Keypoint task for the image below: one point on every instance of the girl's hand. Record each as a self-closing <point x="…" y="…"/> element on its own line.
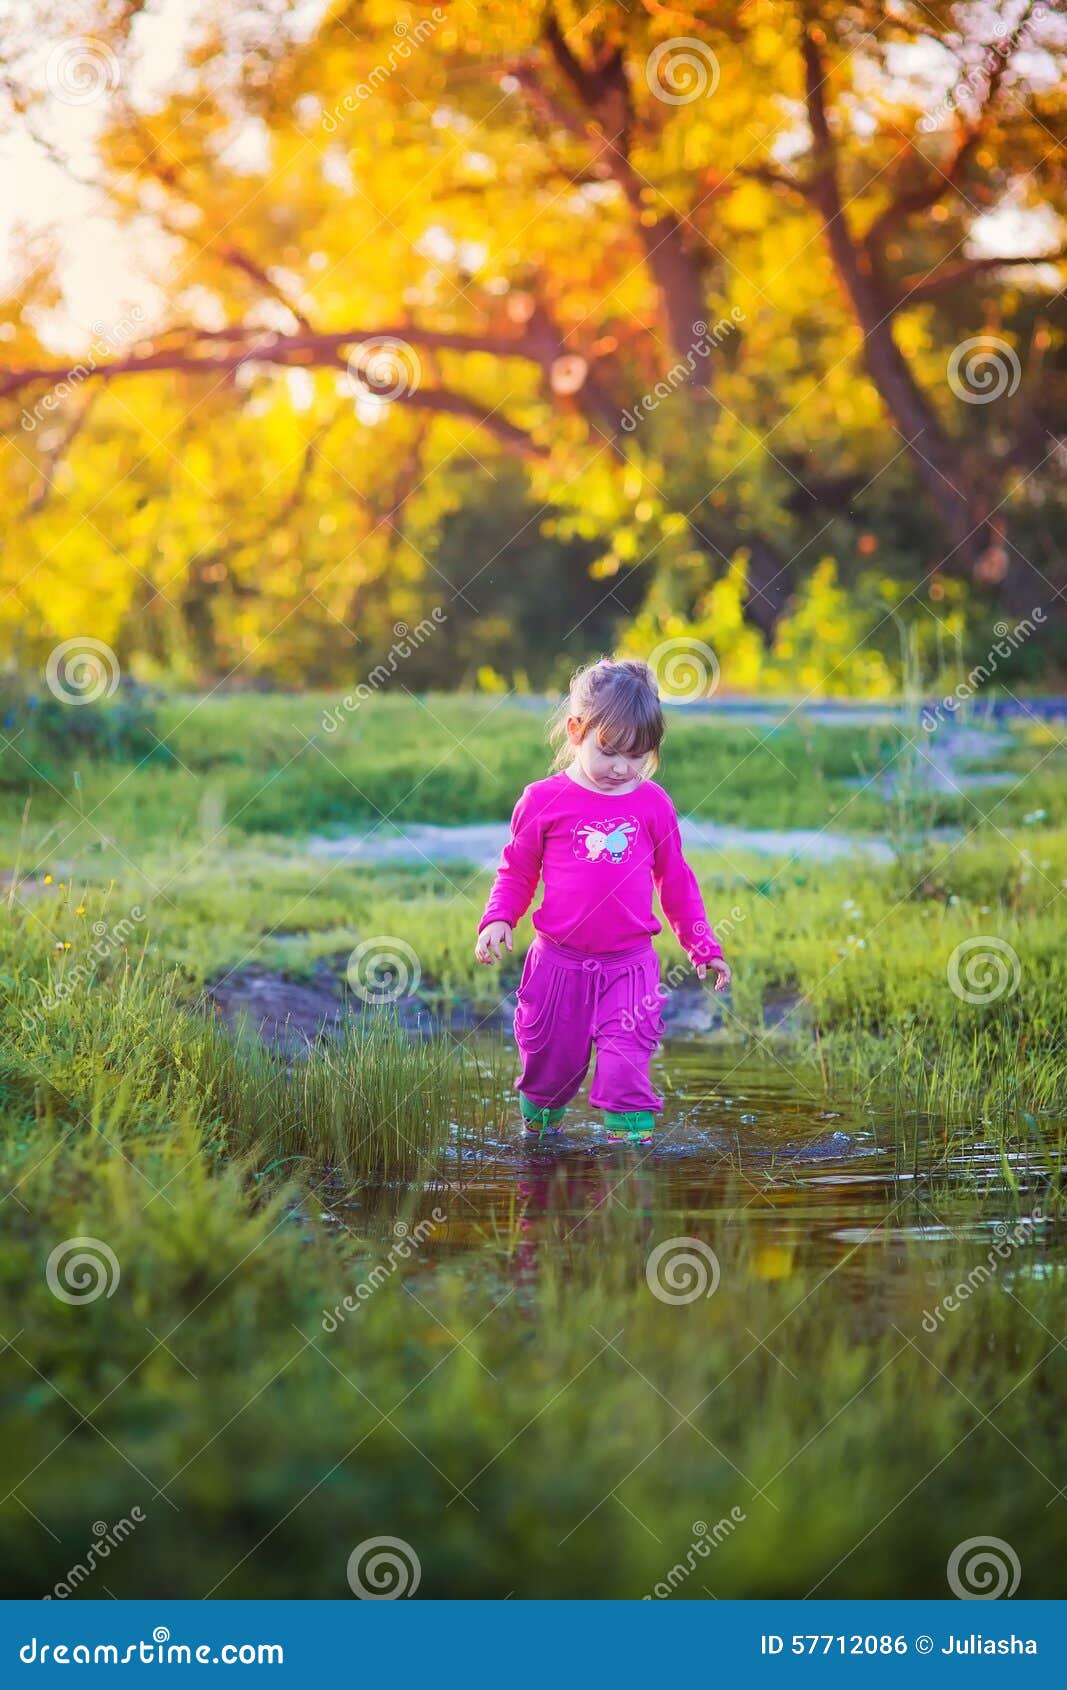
<point x="722" y="969"/>
<point x="491" y="941"/>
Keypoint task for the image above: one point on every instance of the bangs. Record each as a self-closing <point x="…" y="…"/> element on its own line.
<point x="617" y="700"/>
<point x="627" y="719"/>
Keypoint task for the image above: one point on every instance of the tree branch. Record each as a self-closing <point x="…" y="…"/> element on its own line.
<point x="936" y="457"/>
<point x="767" y="174"/>
<point x="604" y="124"/>
<point x="254" y="346"/>
<point x="913" y="289"/>
<point x="922" y="197"/>
<point x="229" y="252"/>
<point x="303" y="352"/>
<point x="968" y="135"/>
<point x="443" y="402"/>
<point x="823" y="188"/>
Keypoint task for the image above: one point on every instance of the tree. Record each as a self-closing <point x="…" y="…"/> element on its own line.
<point x="701" y="269"/>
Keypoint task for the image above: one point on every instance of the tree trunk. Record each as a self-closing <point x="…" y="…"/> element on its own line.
<point x="938" y="462"/>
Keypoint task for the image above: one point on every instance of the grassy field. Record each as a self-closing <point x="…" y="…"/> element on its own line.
<point x="531" y="1424"/>
<point x="865" y="949"/>
<point x="191" y="770"/>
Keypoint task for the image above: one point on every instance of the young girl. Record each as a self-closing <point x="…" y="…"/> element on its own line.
<point x="601" y="835"/>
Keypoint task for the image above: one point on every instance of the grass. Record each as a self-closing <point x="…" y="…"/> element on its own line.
<point x="867" y="949"/>
<point x="514" y="1403"/>
<point x="532" y="1421"/>
<point x="122" y="1043"/>
<point x="241" y="767"/>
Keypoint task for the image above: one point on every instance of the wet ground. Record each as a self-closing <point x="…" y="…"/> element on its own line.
<point x="292" y="1013"/>
<point x="749" y="1147"/>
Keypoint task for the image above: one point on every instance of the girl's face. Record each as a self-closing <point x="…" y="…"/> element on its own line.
<point x="602" y="767"/>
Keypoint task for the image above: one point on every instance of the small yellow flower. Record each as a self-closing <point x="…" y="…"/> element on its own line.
<point x="48" y="880"/>
<point x="80" y="910"/>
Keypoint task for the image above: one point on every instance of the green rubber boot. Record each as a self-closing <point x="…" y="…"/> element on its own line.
<point x="630" y="1126"/>
<point x="538" y="1120"/>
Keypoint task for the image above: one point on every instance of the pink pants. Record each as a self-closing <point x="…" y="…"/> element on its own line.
<point x="567" y="1002"/>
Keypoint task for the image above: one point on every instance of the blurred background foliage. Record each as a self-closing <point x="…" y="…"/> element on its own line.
<point x="843" y="194"/>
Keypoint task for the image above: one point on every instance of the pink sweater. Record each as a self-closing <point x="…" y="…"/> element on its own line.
<point x="599" y="854"/>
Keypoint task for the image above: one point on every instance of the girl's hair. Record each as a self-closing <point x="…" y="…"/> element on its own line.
<point x="618" y="700"/>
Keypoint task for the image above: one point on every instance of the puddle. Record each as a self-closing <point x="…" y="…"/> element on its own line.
<point x="749" y="1151"/>
<point x="744" y="1149"/>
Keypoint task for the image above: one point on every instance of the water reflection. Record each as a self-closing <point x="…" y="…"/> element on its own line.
<point x="745" y="1151"/>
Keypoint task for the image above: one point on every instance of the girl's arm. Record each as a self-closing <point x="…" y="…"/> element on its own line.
<point x="520" y="868"/>
<point x="680" y="896"/>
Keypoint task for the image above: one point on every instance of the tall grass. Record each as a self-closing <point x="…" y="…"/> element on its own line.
<point x="533" y="1421"/>
<point x="370" y="1102"/>
<point x="375" y="1101"/>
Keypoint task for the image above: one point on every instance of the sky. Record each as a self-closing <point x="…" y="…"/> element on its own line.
<point x="40" y="195"/>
